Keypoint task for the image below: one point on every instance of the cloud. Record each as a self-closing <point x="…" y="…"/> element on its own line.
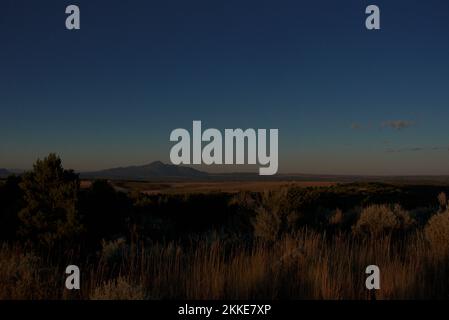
<point x="356" y="126"/>
<point x="398" y="124"/>
<point x="416" y="149"/>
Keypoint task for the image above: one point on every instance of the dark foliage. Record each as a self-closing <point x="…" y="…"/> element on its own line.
<point x="46" y="205"/>
<point x="50" y="193"/>
<point x="11" y="202"/>
<point x="105" y="212"/>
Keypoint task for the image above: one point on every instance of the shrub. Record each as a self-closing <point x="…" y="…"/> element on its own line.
<point x="437" y="234"/>
<point x="442" y="200"/>
<point x="404" y="219"/>
<point x="11" y="201"/>
<point x="112" y="252"/>
<point x="336" y="219"/>
<point x="105" y="211"/>
<point x="380" y="219"/>
<point x="422" y="214"/>
<point x="24" y="275"/>
<point x="267" y="225"/>
<point x="51" y="194"/>
<point x="273" y="216"/>
<point x="118" y="289"/>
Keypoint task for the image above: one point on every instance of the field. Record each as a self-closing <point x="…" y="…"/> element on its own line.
<point x="221" y="240"/>
<point x="235" y="186"/>
<point x="304" y="266"/>
<point x="152" y="188"/>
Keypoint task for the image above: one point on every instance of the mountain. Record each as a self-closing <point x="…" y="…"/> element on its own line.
<point x="153" y="171"/>
<point x="4" y="173"/>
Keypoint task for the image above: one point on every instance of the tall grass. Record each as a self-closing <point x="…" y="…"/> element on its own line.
<point x="305" y="265"/>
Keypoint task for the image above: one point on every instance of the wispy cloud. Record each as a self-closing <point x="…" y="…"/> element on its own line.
<point x="356" y="126"/>
<point x="416" y="149"/>
<point x="398" y="124"/>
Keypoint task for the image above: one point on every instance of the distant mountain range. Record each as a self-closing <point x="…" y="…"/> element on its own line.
<point x="159" y="171"/>
<point x="153" y="171"/>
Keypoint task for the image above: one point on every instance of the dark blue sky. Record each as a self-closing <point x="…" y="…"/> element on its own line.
<point x="111" y="93"/>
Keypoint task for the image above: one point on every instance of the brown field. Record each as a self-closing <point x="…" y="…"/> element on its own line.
<point x="207" y="187"/>
<point x="292" y="243"/>
<point x="302" y="266"/>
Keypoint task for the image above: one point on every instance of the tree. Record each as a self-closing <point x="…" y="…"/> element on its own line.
<point x="51" y="195"/>
<point x="105" y="211"/>
<point x="11" y="201"/>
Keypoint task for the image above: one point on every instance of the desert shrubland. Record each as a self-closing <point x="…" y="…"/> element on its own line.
<point x="376" y="220"/>
<point x="289" y="243"/>
<point x="305" y="265"/>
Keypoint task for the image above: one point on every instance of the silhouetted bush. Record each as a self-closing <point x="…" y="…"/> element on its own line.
<point x="106" y="213"/>
<point x="180" y="216"/>
<point x="51" y="195"/>
<point x="11" y="201"/>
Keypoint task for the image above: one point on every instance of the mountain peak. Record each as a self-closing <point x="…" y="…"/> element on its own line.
<point x="154" y="170"/>
<point x="156" y="164"/>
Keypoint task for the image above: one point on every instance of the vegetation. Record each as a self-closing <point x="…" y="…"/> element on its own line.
<point x="289" y="243"/>
<point x="51" y="195"/>
<point x="376" y="220"/>
<point x="437" y="234"/>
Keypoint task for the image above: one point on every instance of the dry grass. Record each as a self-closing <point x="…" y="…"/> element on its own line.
<point x="307" y="265"/>
<point x="118" y="289"/>
<point x="212" y="187"/>
<point x="23" y="275"/>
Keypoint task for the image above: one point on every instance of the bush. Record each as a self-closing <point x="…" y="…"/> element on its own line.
<point x="24" y="275"/>
<point x="336" y="219"/>
<point x="51" y="194"/>
<point x="267" y="225"/>
<point x="376" y="220"/>
<point x="404" y="220"/>
<point x="11" y="201"/>
<point x="105" y="211"/>
<point x="118" y="289"/>
<point x="112" y="252"/>
<point x="273" y="216"/>
<point x="442" y="200"/>
<point x="437" y="234"/>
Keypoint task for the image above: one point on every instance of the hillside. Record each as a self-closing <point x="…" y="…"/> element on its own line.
<point x="153" y="171"/>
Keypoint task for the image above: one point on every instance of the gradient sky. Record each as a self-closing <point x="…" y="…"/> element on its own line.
<point x="345" y="100"/>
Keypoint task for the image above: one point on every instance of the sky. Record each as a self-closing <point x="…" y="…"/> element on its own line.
<point x="346" y="100"/>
